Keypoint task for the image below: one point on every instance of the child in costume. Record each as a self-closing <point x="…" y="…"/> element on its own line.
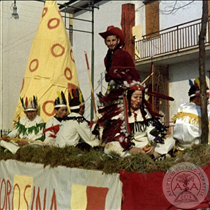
<point x="75" y="130"/>
<point x="53" y="124"/>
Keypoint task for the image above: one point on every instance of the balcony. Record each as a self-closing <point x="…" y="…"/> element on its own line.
<point x="169" y="41"/>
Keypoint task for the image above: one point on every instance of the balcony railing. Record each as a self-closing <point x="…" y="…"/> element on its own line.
<point x="170" y="40"/>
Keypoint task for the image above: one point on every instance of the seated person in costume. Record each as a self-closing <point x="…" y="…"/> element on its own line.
<point x="53" y="124"/>
<point x="143" y="133"/>
<point x="75" y="130"/>
<point x="29" y="127"/>
<point x="187" y="129"/>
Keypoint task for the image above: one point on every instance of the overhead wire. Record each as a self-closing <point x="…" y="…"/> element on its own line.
<point x="12" y="45"/>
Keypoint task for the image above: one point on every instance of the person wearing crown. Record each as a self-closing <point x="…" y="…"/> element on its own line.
<point x="29" y="127"/>
<point x="53" y="124"/>
<point x="75" y="130"/>
<point x="187" y="129"/>
<point x="116" y="58"/>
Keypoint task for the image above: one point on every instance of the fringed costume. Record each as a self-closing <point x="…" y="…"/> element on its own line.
<point x="187" y="129"/>
<point x="121" y="131"/>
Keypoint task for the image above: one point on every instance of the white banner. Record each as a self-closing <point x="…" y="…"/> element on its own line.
<point x="31" y="186"/>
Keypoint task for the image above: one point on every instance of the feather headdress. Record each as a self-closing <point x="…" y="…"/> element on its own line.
<point x="76" y="94"/>
<point x="60" y="101"/>
<point x="195" y="88"/>
<point x="30" y="104"/>
<point x="115" y="119"/>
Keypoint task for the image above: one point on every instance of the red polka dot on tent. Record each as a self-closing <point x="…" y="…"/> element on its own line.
<point x="68" y="73"/>
<point x="57" y="50"/>
<point x="33" y="66"/>
<point x="44" y="12"/>
<point x="53" y="23"/>
<point x="46" y="109"/>
<point x="71" y="55"/>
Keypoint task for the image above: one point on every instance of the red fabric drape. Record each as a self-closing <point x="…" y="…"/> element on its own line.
<point x="144" y="191"/>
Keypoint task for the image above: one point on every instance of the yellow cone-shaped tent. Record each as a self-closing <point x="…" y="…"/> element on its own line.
<point x="51" y="65"/>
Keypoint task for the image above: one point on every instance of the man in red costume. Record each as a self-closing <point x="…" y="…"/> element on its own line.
<point x="120" y="72"/>
<point x="116" y="57"/>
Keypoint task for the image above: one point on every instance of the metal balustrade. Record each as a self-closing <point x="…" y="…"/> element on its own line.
<point x="170" y="40"/>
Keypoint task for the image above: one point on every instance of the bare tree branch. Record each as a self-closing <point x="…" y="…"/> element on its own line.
<point x="175" y="7"/>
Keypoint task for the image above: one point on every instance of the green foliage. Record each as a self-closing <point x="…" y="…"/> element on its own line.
<point x="97" y="160"/>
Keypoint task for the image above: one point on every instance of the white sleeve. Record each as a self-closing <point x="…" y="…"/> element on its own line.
<point x="14" y="133"/>
<point x="86" y="134"/>
<point x="66" y="136"/>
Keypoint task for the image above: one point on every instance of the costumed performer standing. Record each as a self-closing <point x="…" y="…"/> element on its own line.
<point x="75" y="130"/>
<point x="116" y="57"/>
<point x="29" y="127"/>
<point x="53" y="124"/>
<point x="187" y="129"/>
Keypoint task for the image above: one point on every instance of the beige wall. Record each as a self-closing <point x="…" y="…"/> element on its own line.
<point x="16" y="36"/>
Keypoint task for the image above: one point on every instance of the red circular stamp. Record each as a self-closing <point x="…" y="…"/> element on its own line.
<point x="185" y="185"/>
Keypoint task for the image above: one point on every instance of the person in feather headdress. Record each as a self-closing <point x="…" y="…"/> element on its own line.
<point x="53" y="124"/>
<point x="187" y="129"/>
<point x="75" y="130"/>
<point x="144" y="135"/>
<point x="29" y="127"/>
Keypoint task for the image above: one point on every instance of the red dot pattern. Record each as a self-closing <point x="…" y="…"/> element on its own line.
<point x="71" y="55"/>
<point x="53" y="50"/>
<point x="57" y="50"/>
<point x="53" y="23"/>
<point x="44" y="12"/>
<point x="34" y="62"/>
<point x="68" y="73"/>
<point x="50" y="114"/>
